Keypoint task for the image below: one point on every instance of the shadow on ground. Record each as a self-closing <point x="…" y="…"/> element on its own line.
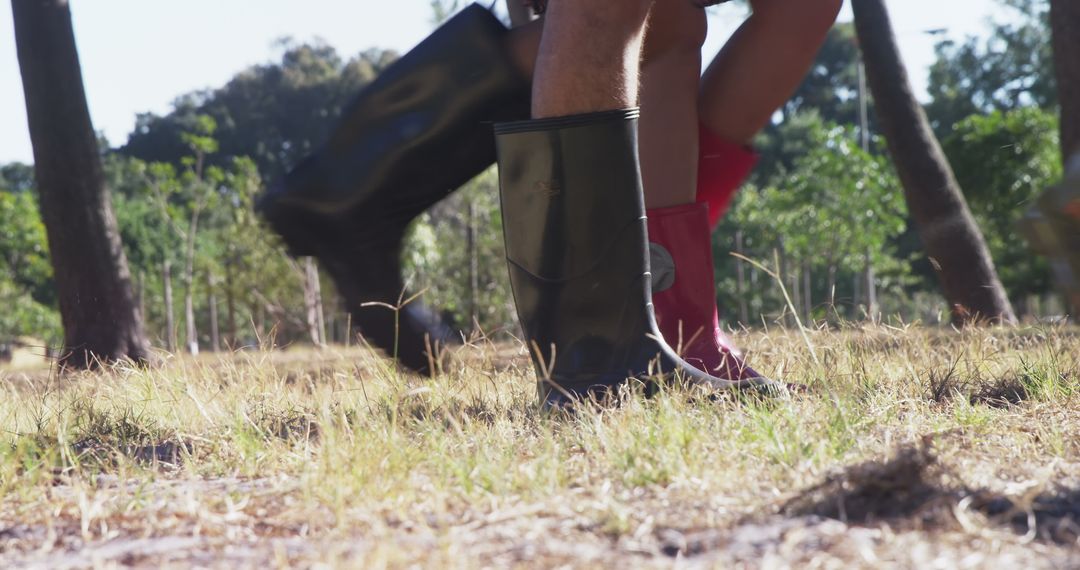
<point x="912" y="489"/>
<point x="909" y="491"/>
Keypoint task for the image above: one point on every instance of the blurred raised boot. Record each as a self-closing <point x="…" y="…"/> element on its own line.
<point x="418" y="132"/>
<point x="1059" y="212"/>
<point x="578" y="255"/>
<point x="684" y="291"/>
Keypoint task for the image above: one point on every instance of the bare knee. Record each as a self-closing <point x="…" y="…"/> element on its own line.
<point x="676" y="28"/>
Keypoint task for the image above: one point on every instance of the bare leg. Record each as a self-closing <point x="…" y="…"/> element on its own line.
<point x="669" y="90"/>
<point x="589" y="57"/>
<point x="762" y="65"/>
<point x="669" y="98"/>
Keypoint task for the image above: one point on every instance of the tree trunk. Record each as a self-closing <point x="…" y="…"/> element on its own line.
<point x="871" y="287"/>
<point x="192" y="333"/>
<point x="141" y="295"/>
<point x="260" y="321"/>
<point x="331" y="326"/>
<point x="807" y="296"/>
<point x="474" y="265"/>
<point x="97" y="307"/>
<point x="311" y="292"/>
<point x="795" y="291"/>
<point x="856" y="293"/>
<point x="170" y="318"/>
<point x="519" y="13"/>
<point x="230" y="305"/>
<point x="211" y="300"/>
<point x="740" y="281"/>
<point x="831" y="286"/>
<point x="348" y="324"/>
<point x="948" y="232"/>
<point x="1065" y="26"/>
<point x="320" y="314"/>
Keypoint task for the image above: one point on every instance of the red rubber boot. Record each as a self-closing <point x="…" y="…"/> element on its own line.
<point x="684" y="291"/>
<point x="722" y="168"/>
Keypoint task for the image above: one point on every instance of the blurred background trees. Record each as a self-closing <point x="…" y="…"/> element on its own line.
<point x="820" y="209"/>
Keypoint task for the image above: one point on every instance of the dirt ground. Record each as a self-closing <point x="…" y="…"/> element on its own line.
<point x="971" y="466"/>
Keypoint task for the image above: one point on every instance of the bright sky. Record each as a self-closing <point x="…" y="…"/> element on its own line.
<point x="138" y="55"/>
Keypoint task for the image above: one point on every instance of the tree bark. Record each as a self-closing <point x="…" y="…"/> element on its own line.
<point x="170" y="317"/>
<point x="191" y="334"/>
<point x="141" y="294"/>
<point x="331" y="327"/>
<point x="211" y="300"/>
<point x="1065" y="27"/>
<point x="953" y="242"/>
<point x="856" y="293"/>
<point x="260" y="320"/>
<point x="871" y="287"/>
<point x="230" y="306"/>
<point x="807" y="296"/>
<point x="831" y="286"/>
<point x="311" y="301"/>
<point x="474" y="265"/>
<point x="740" y="281"/>
<point x="97" y="307"/>
<point x="795" y="291"/>
<point x="191" y="331"/>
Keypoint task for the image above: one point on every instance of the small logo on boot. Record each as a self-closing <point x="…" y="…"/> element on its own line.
<point x="662" y="265"/>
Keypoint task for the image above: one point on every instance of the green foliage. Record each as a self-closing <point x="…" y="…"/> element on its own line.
<point x="818" y="204"/>
<point x="1003" y="161"/>
<point x="274" y="113"/>
<point x="24" y="250"/>
<point x="200" y="139"/>
<point x="840" y="202"/>
<point x="1011" y="68"/>
<point x="24" y="316"/>
<point x="203" y="212"/>
<point x="837" y="207"/>
<point x="26" y="291"/>
<point x="440" y="261"/>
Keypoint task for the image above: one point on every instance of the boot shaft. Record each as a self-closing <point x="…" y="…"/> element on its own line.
<point x="574" y="227"/>
<point x="578" y="255"/>
<point x="684" y="291"/>
<point x="421" y="129"/>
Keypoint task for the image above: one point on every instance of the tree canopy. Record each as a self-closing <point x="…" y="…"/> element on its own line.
<point x="819" y="208"/>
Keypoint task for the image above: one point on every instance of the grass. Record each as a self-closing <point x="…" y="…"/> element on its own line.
<point x="914" y="447"/>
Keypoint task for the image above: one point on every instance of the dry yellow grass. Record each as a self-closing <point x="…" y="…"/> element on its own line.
<point x="914" y="448"/>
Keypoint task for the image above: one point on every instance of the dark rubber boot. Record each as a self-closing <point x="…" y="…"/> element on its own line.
<point x="578" y="253"/>
<point x="419" y="131"/>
